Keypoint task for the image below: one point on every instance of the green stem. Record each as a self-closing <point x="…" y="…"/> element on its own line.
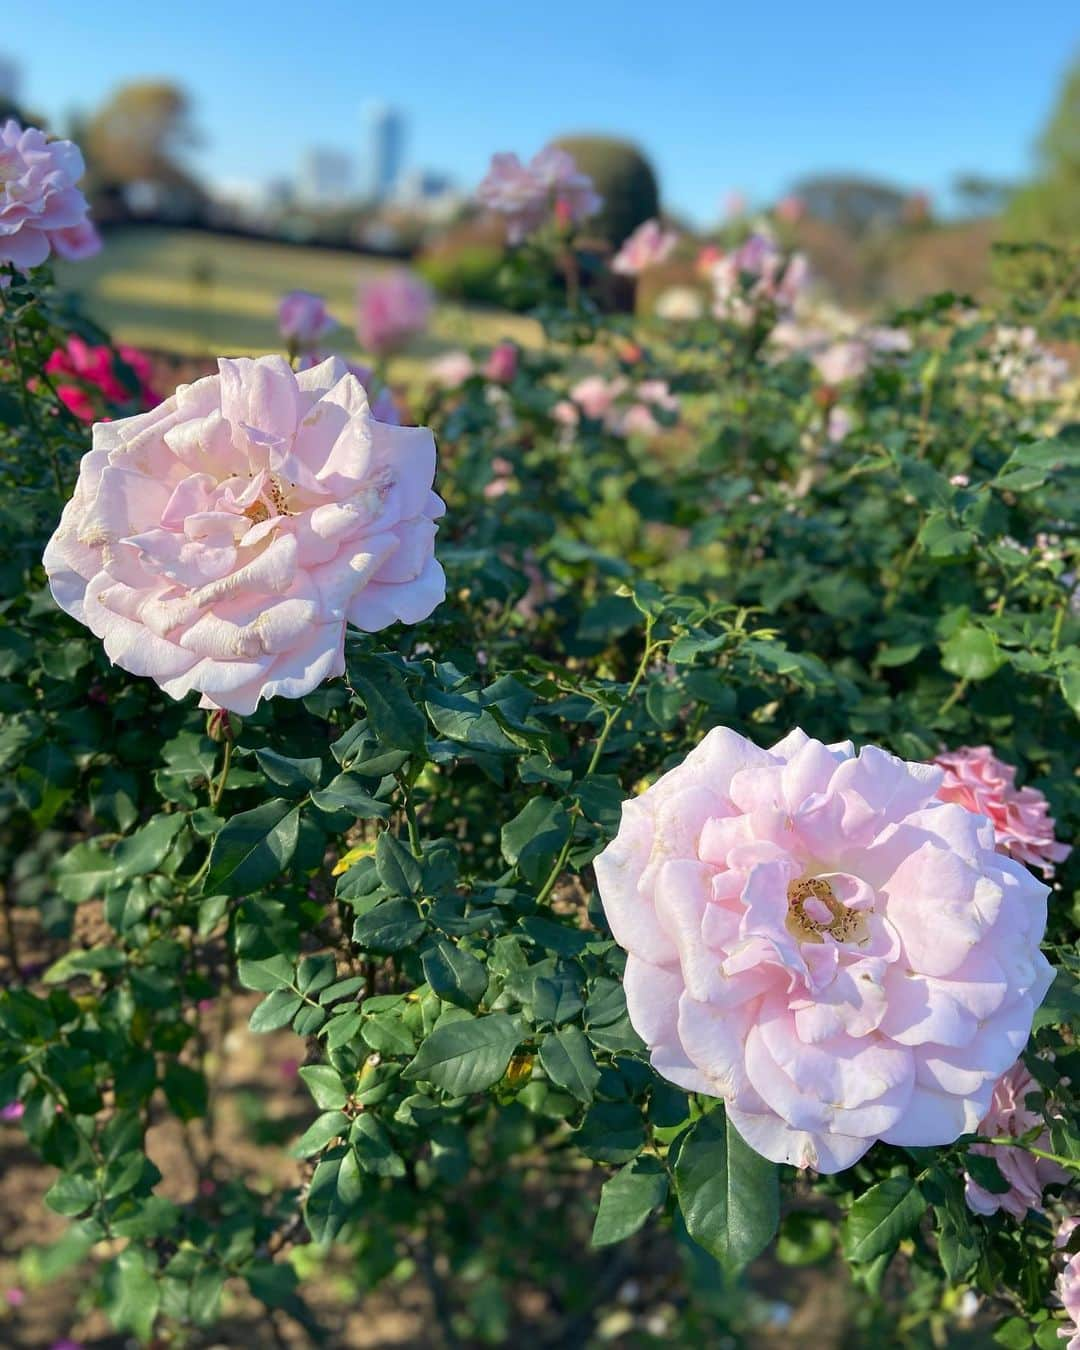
<point x="410" y="819"/>
<point x="217" y="792"/>
<point x="605" y="731"/>
<point x="1070" y="1164"/>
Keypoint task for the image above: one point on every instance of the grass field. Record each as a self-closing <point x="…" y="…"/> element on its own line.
<point x="193" y="293"/>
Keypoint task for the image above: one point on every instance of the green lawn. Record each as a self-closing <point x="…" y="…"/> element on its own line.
<point x="194" y="293"/>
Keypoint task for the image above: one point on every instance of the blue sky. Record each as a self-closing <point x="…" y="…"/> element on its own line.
<point x="722" y="96"/>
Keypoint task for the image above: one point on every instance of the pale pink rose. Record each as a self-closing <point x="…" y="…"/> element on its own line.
<point x="754" y="276"/>
<point x="842" y="361"/>
<point x="638" y="420"/>
<point x="596" y="396"/>
<point x="1026" y="1174"/>
<point x="222" y="542"/>
<point x="790" y="209"/>
<point x="41" y="209"/>
<point x="303" y="319"/>
<point x="380" y="398"/>
<point x="839" y="424"/>
<point x="1032" y="373"/>
<point x="1066" y="1228"/>
<point x="649" y="244"/>
<point x="528" y="194"/>
<point x="960" y="480"/>
<point x="815" y="938"/>
<point x="452" y="369"/>
<point x="1068" y="1290"/>
<point x="1023" y="827"/>
<point x="566" y="413"/>
<point x="391" y="310"/>
<point x="502" y="363"/>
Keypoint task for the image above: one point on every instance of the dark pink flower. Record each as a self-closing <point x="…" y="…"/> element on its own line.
<point x="502" y="363"/>
<point x="94" y="370"/>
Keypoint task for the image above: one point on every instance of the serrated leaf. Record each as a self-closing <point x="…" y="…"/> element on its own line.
<point x="881" y="1218"/>
<point x="253" y="848"/>
<point x="627" y="1199"/>
<point x="466" y="1055"/>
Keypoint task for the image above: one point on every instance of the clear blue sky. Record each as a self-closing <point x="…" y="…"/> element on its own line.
<point x="721" y="95"/>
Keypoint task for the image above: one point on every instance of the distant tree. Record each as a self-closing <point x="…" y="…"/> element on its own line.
<point x="141" y="135"/>
<point x="979" y="195"/>
<point x="1049" y="207"/>
<point x="853" y="204"/>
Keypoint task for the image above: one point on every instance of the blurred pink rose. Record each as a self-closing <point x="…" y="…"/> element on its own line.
<point x="648" y="245"/>
<point x="790" y="209"/>
<point x="452" y="369"/>
<point x="303" y="319"/>
<point x="815" y="938"/>
<point x="596" y="396"/>
<point x="391" y="309"/>
<point x="842" y="361"/>
<point x="976" y="779"/>
<point x="12" y="1111"/>
<point x="839" y="424"/>
<point x="527" y="194"/>
<point x="94" y="367"/>
<point x="15" y="1298"/>
<point x="502" y="363"/>
<point x="1026" y="1175"/>
<point x="41" y="209"/>
<point x="754" y="276"/>
<point x="222" y="542"/>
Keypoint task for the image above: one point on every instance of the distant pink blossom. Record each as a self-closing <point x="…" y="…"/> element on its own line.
<point x="93" y="368"/>
<point x="1023" y="827"/>
<point x="649" y="245"/>
<point x="41" y="209"/>
<point x="790" y="209"/>
<point x="502" y="363"/>
<point x="839" y="424"/>
<point x="842" y="362"/>
<point x="15" y="1298"/>
<point x="391" y="309"/>
<point x="1027" y="1175"/>
<point x="451" y="369"/>
<point x="755" y="276"/>
<point x="527" y="194"/>
<point x="815" y="938"/>
<point x="12" y="1111"/>
<point x="596" y="396"/>
<point x="959" y="480"/>
<point x="500" y="484"/>
<point x="303" y="319"/>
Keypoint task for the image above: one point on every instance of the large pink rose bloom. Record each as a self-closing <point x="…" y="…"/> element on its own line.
<point x="222" y="542"/>
<point x="41" y="209"/>
<point x="815" y="938"/>
<point x="649" y="245"/>
<point x="975" y="778"/>
<point x="390" y="310"/>
<point x="1027" y="1175"/>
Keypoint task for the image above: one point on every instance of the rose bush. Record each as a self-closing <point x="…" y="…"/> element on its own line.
<point x="393" y="870"/>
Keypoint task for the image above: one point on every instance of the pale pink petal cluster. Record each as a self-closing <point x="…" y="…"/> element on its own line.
<point x="222" y="542"/>
<point x="529" y="194"/>
<point x="41" y="209"/>
<point x="841" y="362"/>
<point x="1068" y="1290"/>
<point x="452" y="369"/>
<point x="814" y="937"/>
<point x="1024" y="829"/>
<point x="1009" y="1116"/>
<point x="755" y="276"/>
<point x="390" y="310"/>
<point x="649" y="245"/>
<point x="1031" y="372"/>
<point x="623" y="408"/>
<point x="303" y="319"/>
<point x="381" y="400"/>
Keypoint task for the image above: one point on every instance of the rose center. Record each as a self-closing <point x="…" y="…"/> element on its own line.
<point x="813" y="910"/>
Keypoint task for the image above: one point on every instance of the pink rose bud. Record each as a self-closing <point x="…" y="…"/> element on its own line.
<point x="221" y="543"/>
<point x="502" y="363"/>
<point x="303" y="319"/>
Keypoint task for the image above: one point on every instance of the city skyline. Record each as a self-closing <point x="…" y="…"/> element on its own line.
<point x="917" y="101"/>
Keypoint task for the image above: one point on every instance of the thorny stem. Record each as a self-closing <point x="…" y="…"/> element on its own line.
<point x="605" y="731"/>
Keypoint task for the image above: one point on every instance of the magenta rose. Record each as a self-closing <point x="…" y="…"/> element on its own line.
<point x="502" y="363"/>
<point x="222" y="542"/>
<point x="41" y="209"/>
<point x="815" y="938"/>
<point x="391" y="310"/>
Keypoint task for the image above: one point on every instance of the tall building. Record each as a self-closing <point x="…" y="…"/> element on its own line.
<point x="9" y="79"/>
<point x="325" y="178"/>
<point x="384" y="150"/>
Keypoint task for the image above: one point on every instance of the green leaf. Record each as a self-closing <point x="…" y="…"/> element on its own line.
<point x="72" y="1194"/>
<point x="145" y="850"/>
<point x="534" y="837"/>
<point x="393" y="716"/>
<point x="84" y="873"/>
<point x="325" y="1085"/>
<point x="729" y="1195"/>
<point x="881" y="1218"/>
<point x="374" y="1151"/>
<point x="346" y="792"/>
<point x="322" y="1131"/>
<point x="266" y="975"/>
<point x="275" y="1011"/>
<point x="568" y="1062"/>
<point x="253" y="848"/>
<point x="296" y="776"/>
<point x="391" y="926"/>
<point x="971" y="653"/>
<point x="466" y="1055"/>
<point x="627" y="1199"/>
<point x="397" y="869"/>
<point x="132" y="1294"/>
<point x="454" y="974"/>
